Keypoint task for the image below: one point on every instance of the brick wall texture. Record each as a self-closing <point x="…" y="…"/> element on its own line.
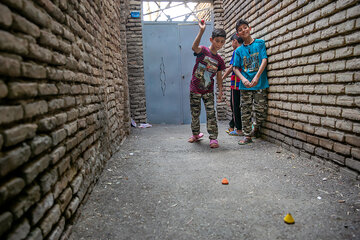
<point x="136" y="65"/>
<point x="64" y="108"/>
<point x="314" y="97"/>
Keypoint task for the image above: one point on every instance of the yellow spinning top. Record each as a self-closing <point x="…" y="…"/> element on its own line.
<point x="289" y="219"/>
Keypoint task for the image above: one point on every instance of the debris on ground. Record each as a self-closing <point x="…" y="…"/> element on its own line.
<point x="145" y="125"/>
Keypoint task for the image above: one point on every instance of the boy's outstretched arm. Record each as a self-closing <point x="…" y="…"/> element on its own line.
<point x="219" y="82"/>
<point x="262" y="67"/>
<point x="242" y="78"/>
<point x="195" y="46"/>
<point x="227" y="72"/>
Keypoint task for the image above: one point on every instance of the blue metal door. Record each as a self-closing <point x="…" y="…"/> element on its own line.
<point x="168" y="64"/>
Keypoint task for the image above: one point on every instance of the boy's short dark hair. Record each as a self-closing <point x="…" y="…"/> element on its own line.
<point x="241" y="22"/>
<point x="237" y="38"/>
<point x="218" y="32"/>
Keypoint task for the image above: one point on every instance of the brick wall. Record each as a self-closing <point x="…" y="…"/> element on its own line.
<point x="136" y="65"/>
<point x="64" y="108"/>
<point x="314" y="98"/>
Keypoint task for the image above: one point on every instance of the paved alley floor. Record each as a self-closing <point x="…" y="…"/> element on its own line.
<point x="159" y="186"/>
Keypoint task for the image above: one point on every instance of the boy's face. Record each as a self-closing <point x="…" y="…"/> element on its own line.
<point x="217" y="42"/>
<point x="235" y="44"/>
<point x="244" y="31"/>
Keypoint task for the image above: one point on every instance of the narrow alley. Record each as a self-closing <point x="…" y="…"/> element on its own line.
<point x="158" y="186"/>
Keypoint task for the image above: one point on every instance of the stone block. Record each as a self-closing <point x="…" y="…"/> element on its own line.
<point x="31" y="70"/>
<point x="58" y="230"/>
<point x="11" y="188"/>
<point x="71" y="209"/>
<point x="71" y="128"/>
<point x="47" y="89"/>
<point x="355" y="152"/>
<point x="13" y="159"/>
<point x="63" y="165"/>
<point x="20" y="231"/>
<point x="337" y="136"/>
<point x="22" y="90"/>
<point x="40" y="209"/>
<point x="48" y="180"/>
<point x="63" y="88"/>
<point x="352" y="114"/>
<point x="40" y="144"/>
<point x="35" y="234"/>
<point x="61" y="118"/>
<point x="51" y="218"/>
<point x="39" y="53"/>
<point x="21" y="24"/>
<point x="353" y="164"/>
<point x="56" y="104"/>
<point x="47" y="124"/>
<point x="19" y="133"/>
<point x="65" y="198"/>
<point x="353" y="140"/>
<point x="57" y="154"/>
<point x="35" y="14"/>
<point x="25" y="201"/>
<point x="328" y="99"/>
<point x="13" y="44"/>
<point x="353" y="89"/>
<point x="69" y="101"/>
<point x="342" y="149"/>
<point x="3" y="89"/>
<point x="34" y="168"/>
<point x="76" y="183"/>
<point x="344" y="125"/>
<point x="58" y="136"/>
<point x="5" y="16"/>
<point x="35" y="108"/>
<point x="337" y="158"/>
<point x="9" y="66"/>
<point x="58" y="59"/>
<point x="10" y="114"/>
<point x="6" y="220"/>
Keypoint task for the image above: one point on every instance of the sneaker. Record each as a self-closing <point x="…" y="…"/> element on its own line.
<point x="245" y="140"/>
<point x="214" y="143"/>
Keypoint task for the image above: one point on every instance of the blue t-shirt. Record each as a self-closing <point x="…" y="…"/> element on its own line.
<point x="248" y="58"/>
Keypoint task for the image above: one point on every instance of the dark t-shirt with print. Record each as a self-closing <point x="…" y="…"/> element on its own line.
<point x="206" y="66"/>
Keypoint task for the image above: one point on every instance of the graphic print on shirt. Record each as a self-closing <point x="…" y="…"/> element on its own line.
<point x="251" y="64"/>
<point x="204" y="72"/>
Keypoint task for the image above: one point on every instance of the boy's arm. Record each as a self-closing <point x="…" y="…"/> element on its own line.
<point x="227" y="72"/>
<point x="219" y="82"/>
<point x="195" y="46"/>
<point x="242" y="78"/>
<point x="255" y="80"/>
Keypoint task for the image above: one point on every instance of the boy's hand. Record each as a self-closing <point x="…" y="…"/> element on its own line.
<point x="246" y="83"/>
<point x="254" y="82"/>
<point x="202" y="25"/>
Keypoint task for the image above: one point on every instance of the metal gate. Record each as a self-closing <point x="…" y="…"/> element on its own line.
<point x="168" y="65"/>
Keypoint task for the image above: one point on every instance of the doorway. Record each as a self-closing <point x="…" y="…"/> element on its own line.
<point x="168" y="65"/>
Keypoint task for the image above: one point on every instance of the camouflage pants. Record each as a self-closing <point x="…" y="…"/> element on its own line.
<point x="195" y="107"/>
<point x="253" y="101"/>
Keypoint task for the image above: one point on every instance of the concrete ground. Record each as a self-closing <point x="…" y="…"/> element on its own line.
<point x="158" y="186"/>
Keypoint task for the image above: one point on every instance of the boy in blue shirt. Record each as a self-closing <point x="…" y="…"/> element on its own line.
<point x="250" y="62"/>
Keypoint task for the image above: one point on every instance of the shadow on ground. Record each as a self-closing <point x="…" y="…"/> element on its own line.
<point x="158" y="186"/>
